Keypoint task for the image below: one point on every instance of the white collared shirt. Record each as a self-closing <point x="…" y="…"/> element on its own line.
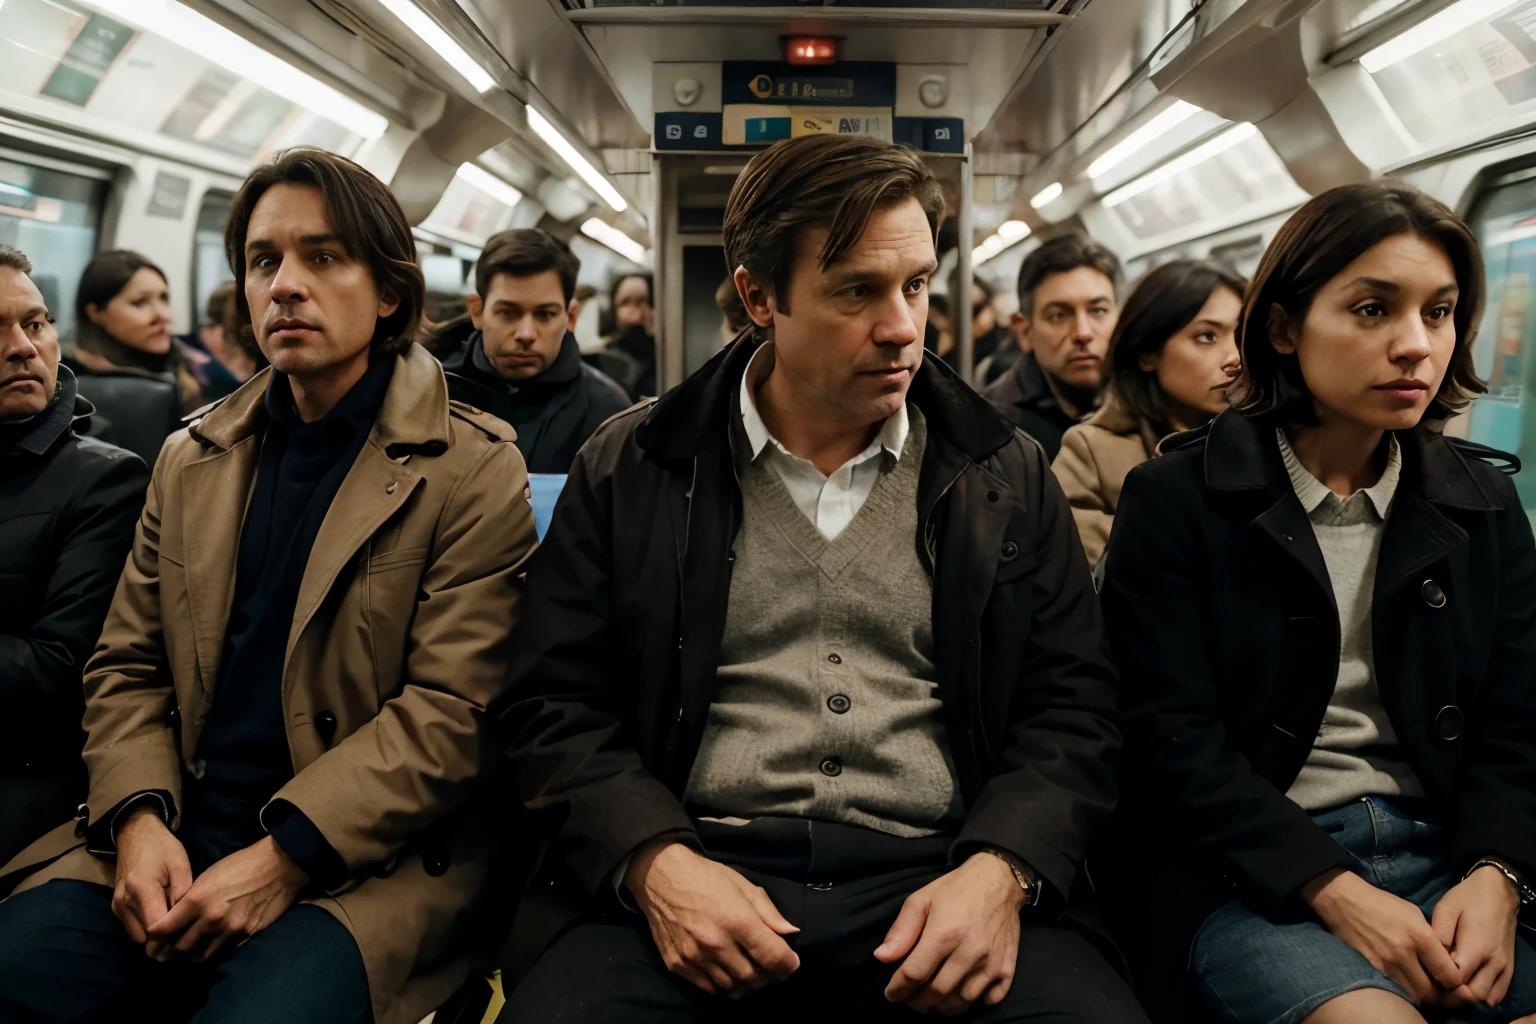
<point x="830" y="502"/>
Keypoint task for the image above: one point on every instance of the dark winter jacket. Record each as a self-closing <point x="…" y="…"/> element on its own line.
<point x="615" y="659"/>
<point x="68" y="506"/>
<point x="553" y="413"/>
<point x="1223" y="622"/>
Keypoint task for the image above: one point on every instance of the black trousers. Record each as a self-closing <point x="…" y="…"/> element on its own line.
<point x="842" y="887"/>
<point x="64" y="955"/>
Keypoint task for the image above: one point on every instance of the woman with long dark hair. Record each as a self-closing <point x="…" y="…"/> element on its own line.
<point x="1324" y="615"/>
<point x="130" y="366"/>
<point x="1171" y="358"/>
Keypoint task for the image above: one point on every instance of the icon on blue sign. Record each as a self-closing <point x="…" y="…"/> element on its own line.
<point x="674" y="131"/>
<point x="701" y="131"/>
<point x="941" y="134"/>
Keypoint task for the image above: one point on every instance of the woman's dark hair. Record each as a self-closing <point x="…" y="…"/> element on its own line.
<point x="103" y="280"/>
<point x="618" y="282"/>
<point x="368" y="220"/>
<point x="1162" y="303"/>
<point x="1319" y="240"/>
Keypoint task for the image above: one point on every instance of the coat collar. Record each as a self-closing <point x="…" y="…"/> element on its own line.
<point x="1241" y="455"/>
<point x="414" y="416"/>
<point x="67" y="409"/>
<point x="697" y="413"/>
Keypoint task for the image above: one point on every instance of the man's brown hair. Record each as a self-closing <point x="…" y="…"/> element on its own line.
<point x="15" y="259"/>
<point x="366" y="217"/>
<point x="524" y="252"/>
<point x="1327" y="234"/>
<point x="836" y="180"/>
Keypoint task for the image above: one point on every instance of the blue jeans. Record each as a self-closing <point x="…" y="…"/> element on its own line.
<point x="1251" y="970"/>
<point x="63" y="953"/>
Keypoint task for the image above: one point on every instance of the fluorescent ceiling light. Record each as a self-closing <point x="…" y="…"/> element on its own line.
<point x="444" y="45"/>
<point x="1220" y="144"/>
<point x="1432" y="30"/>
<point x="1046" y="195"/>
<point x="491" y="185"/>
<point x="618" y="241"/>
<point x="578" y="163"/>
<point x="1167" y="120"/>
<point x="212" y="41"/>
<point x="1000" y="240"/>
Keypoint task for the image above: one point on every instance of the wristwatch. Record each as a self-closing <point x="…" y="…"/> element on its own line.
<point x="1021" y="874"/>
<point x="1526" y="894"/>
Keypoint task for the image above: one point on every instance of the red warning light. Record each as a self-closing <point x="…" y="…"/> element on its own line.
<point x="810" y="50"/>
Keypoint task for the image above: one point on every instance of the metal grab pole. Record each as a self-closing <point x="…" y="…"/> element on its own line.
<point x="960" y="305"/>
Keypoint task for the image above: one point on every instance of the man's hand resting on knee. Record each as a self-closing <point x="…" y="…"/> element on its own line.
<point x="957" y="939"/>
<point x="231" y="901"/>
<point x="711" y="925"/>
<point x="152" y="872"/>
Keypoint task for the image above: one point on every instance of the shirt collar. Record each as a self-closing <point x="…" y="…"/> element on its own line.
<point x="1312" y="492"/>
<point x="891" y="439"/>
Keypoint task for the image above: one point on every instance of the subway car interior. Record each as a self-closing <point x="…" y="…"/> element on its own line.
<point x="1162" y="128"/>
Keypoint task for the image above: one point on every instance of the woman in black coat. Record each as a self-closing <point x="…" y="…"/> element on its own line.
<point x="1324" y="613"/>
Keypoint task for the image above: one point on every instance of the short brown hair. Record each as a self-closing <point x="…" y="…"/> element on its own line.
<point x="1062" y="255"/>
<point x="15" y="259"/>
<point x="368" y="219"/>
<point x="1163" y="302"/>
<point x="216" y="311"/>
<point x="524" y="252"/>
<point x="837" y="180"/>
<point x="1319" y="240"/>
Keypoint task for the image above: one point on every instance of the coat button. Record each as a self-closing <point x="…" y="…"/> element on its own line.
<point x="993" y="495"/>
<point x="834" y="658"/>
<point x="325" y="725"/>
<point x="1433" y="595"/>
<point x="1010" y="551"/>
<point x="831" y="767"/>
<point x="839" y="704"/>
<point x="436" y="862"/>
<point x="1449" y="722"/>
<point x="389" y="488"/>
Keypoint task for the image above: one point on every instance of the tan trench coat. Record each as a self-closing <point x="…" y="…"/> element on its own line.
<point x="401" y="632"/>
<point x="1095" y="457"/>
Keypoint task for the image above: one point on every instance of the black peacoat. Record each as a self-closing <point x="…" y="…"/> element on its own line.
<point x="1222" y="619"/>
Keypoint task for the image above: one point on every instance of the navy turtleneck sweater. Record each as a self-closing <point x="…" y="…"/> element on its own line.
<point x="243" y="753"/>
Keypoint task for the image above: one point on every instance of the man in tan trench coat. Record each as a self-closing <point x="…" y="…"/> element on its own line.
<point x="284" y="713"/>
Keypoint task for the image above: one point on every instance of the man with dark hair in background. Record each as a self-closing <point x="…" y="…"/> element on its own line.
<point x="733" y="312"/>
<point x="283" y="715"/>
<point x="68" y="504"/>
<point x="522" y="362"/>
<point x="811" y="684"/>
<point x="1067" y="309"/>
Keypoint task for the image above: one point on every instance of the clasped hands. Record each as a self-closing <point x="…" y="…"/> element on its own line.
<point x="171" y="915"/>
<point x="956" y="939"/>
<point x="1465" y="954"/>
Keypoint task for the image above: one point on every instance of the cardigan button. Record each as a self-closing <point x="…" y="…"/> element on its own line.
<point x="1434" y="596"/>
<point x="839" y="704"/>
<point x="831" y="767"/>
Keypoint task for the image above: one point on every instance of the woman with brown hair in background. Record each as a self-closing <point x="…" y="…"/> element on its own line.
<point x="1171" y="358"/>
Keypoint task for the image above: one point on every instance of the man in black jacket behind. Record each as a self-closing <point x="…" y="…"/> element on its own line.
<point x="68" y="505"/>
<point x="811" y="685"/>
<point x="522" y="363"/>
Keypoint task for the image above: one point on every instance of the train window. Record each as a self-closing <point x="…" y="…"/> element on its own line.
<point x="53" y="216"/>
<point x="1485" y="72"/>
<point x="210" y="264"/>
<point x="468" y="215"/>
<point x="1505" y="222"/>
<point x="1219" y="187"/>
<point x="71" y="54"/>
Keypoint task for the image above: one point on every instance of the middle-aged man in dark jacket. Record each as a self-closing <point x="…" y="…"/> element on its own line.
<point x="1066" y="314"/>
<point x="68" y="505"/>
<point x="812" y="685"/>
<point x="522" y="362"/>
